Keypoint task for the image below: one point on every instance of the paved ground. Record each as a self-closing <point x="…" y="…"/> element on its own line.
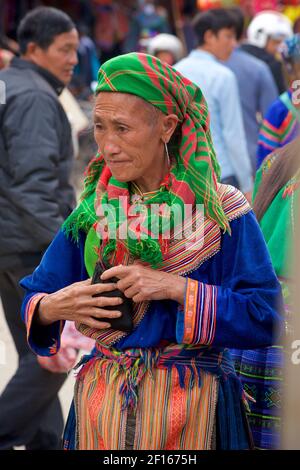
<point x="8" y="364"/>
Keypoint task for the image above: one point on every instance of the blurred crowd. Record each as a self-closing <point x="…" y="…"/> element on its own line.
<point x="107" y="28"/>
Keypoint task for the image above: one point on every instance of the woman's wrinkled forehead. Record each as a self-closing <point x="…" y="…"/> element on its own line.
<point x="126" y="105"/>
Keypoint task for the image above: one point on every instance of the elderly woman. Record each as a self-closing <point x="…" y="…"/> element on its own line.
<point x="168" y="383"/>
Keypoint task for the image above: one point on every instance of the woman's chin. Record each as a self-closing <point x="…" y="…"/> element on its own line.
<point x="121" y="176"/>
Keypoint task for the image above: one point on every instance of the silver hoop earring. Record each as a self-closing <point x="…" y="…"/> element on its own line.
<point x="167" y="153"/>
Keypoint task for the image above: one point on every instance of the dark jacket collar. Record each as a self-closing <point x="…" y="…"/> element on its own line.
<point x="54" y="82"/>
<point x="258" y="52"/>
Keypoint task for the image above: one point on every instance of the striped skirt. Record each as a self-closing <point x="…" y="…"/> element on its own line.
<point x="164" y="406"/>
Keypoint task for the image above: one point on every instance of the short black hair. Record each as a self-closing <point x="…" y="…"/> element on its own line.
<point x="239" y="17"/>
<point x="212" y="20"/>
<point x="41" y="25"/>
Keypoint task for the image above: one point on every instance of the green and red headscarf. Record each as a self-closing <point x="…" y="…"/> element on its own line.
<point x="194" y="175"/>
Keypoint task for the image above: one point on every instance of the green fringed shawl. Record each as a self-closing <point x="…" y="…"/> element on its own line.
<point x="193" y="177"/>
<point x="277" y="221"/>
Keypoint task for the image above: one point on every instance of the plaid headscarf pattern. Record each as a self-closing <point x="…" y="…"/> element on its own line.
<point x="194" y="175"/>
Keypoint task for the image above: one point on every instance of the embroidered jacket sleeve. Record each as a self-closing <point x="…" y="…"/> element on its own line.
<point x="239" y="308"/>
<point x="275" y="126"/>
<point x="61" y="265"/>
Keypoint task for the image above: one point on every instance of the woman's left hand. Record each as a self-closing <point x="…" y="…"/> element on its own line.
<point x="141" y="283"/>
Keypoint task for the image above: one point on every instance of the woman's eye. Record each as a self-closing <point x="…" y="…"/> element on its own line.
<point x="122" y="128"/>
<point x="98" y="126"/>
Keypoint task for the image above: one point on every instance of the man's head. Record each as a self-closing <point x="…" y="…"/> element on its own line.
<point x="215" y="32"/>
<point x="290" y="53"/>
<point x="239" y="18"/>
<point x="48" y="38"/>
<point x="268" y="29"/>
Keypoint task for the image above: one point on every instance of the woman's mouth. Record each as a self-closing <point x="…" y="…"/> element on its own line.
<point x="117" y="162"/>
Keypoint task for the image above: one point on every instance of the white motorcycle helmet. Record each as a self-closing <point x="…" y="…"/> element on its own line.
<point x="268" y="24"/>
<point x="166" y="42"/>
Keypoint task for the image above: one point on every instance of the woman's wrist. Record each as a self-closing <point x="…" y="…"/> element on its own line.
<point x="42" y="316"/>
<point x="177" y="289"/>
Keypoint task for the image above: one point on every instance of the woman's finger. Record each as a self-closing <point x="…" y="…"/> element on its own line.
<point x="98" y="325"/>
<point x="86" y="282"/>
<point x="97" y="288"/>
<point x="125" y="283"/>
<point x="138" y="298"/>
<point x="101" y="301"/>
<point x="102" y="313"/>
<point x="117" y="271"/>
<point x="131" y="292"/>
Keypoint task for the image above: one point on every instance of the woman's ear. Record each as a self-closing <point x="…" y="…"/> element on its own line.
<point x="169" y="125"/>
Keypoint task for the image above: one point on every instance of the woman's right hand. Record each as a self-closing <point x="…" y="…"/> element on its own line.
<point x="75" y="303"/>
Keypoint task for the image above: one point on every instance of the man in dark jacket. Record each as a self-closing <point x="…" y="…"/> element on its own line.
<point x="265" y="33"/>
<point x="35" y="197"/>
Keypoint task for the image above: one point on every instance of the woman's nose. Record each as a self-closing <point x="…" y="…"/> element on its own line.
<point x="109" y="149"/>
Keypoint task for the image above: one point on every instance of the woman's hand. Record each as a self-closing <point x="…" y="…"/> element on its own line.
<point x="143" y="283"/>
<point x="75" y="303"/>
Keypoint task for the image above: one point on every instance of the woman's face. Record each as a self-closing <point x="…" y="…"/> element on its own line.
<point x="166" y="56"/>
<point x="273" y="45"/>
<point x="129" y="133"/>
